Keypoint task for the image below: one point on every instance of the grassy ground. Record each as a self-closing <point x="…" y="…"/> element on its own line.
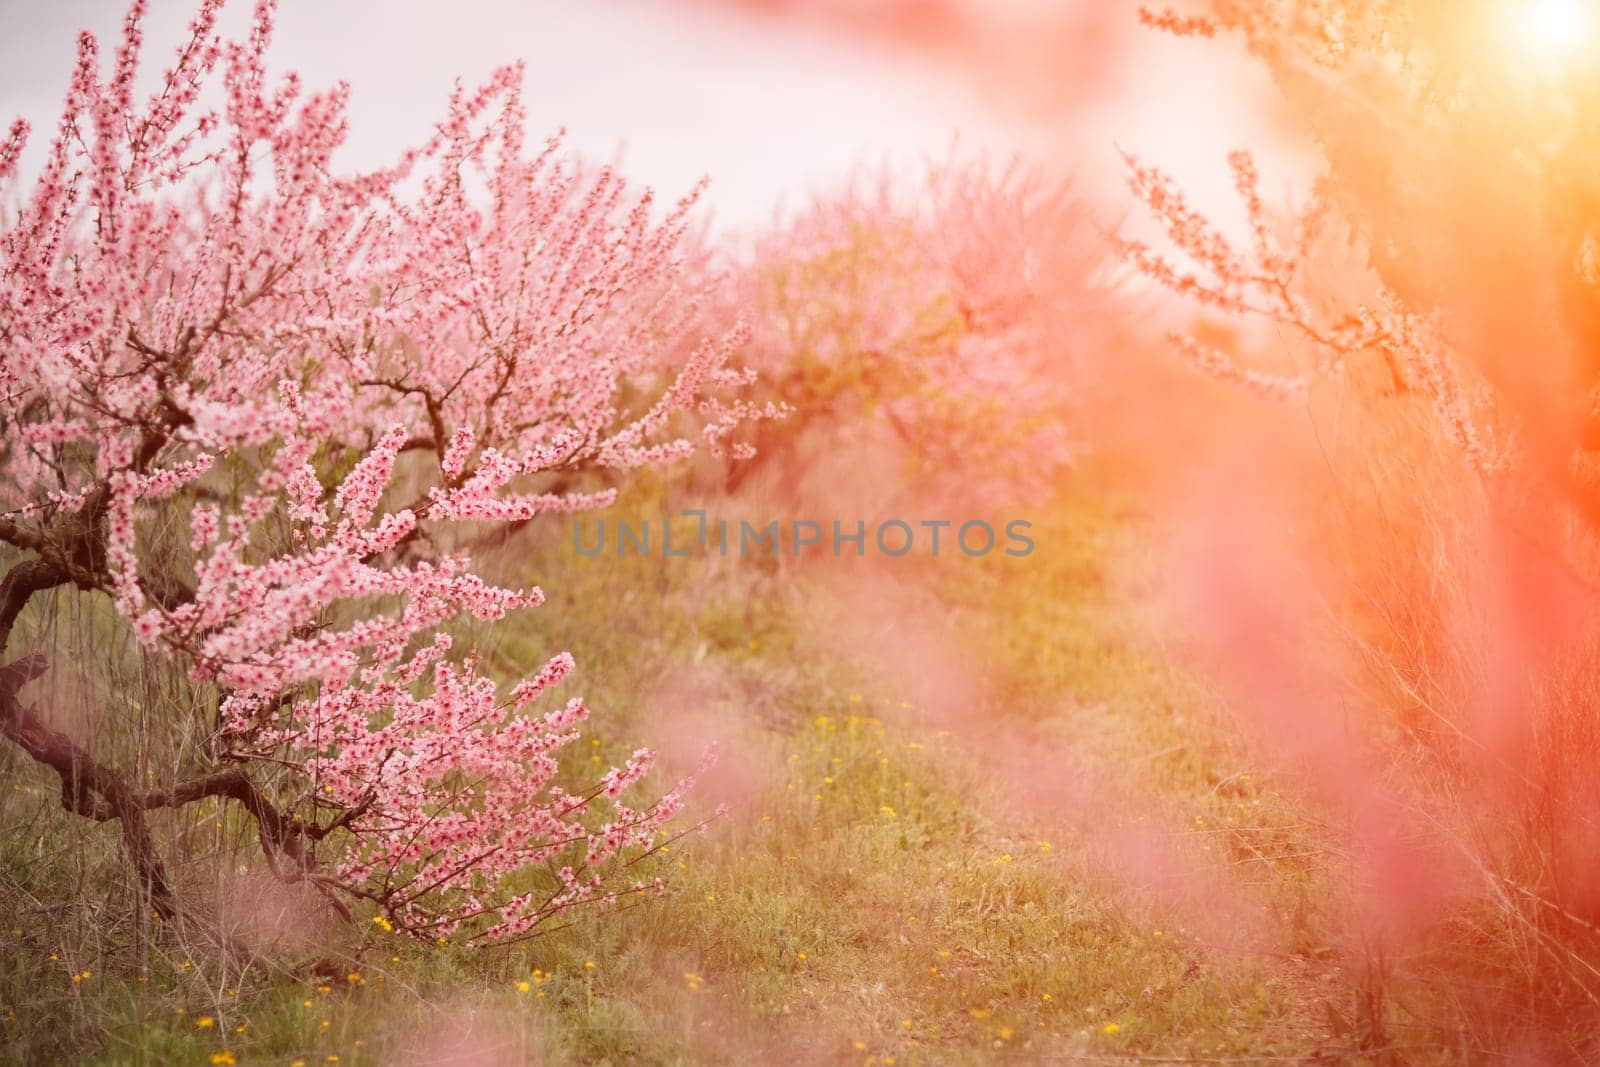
<point x="875" y="898"/>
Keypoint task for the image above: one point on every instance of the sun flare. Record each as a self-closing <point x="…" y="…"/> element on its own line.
<point x="1556" y="28"/>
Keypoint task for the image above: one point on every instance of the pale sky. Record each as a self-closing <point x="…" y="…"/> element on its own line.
<point x="767" y="110"/>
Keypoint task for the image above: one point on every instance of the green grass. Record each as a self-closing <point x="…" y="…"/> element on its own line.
<point x="872" y="900"/>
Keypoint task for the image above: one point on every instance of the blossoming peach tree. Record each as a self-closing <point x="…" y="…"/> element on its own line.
<point x="948" y="316"/>
<point x="262" y="410"/>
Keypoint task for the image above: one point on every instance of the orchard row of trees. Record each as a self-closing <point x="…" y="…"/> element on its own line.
<point x="1402" y="537"/>
<point x="262" y="418"/>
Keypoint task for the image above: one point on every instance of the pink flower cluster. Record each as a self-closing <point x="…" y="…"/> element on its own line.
<point x="258" y="393"/>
